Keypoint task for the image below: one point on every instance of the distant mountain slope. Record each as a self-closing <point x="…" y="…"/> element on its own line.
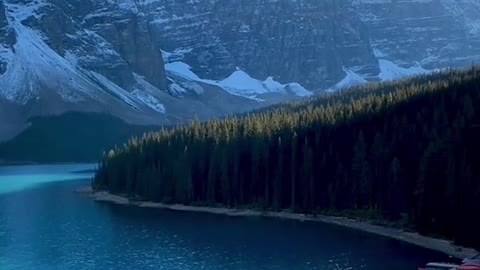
<point x="71" y="137"/>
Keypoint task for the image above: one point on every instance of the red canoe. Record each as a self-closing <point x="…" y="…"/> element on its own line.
<point x="469" y="266"/>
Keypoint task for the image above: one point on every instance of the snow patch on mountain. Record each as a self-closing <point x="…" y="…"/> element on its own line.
<point x="297" y="89"/>
<point x="183" y="70"/>
<point x="149" y="100"/>
<point x="32" y="65"/>
<point x="142" y="95"/>
<point x="113" y="89"/>
<point x="351" y="79"/>
<point x="378" y="53"/>
<point x="176" y="90"/>
<point x="145" y="94"/>
<point x="390" y="71"/>
<point x="33" y="62"/>
<point x="27" y="9"/>
<point x="102" y="47"/>
<point x="176" y="55"/>
<point x="272" y="85"/>
<point x="6" y="55"/>
<point x="238" y="83"/>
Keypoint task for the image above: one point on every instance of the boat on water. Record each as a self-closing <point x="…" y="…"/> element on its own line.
<point x="439" y="266"/>
<point x="475" y="259"/>
<point x="470" y="266"/>
<point x="467" y="264"/>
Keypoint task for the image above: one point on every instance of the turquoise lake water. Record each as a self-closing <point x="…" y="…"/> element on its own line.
<point x="45" y="225"/>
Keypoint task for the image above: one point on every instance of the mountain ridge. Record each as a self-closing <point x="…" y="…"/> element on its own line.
<point x="161" y="62"/>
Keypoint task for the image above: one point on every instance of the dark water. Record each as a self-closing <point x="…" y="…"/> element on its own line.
<point x="45" y="225"/>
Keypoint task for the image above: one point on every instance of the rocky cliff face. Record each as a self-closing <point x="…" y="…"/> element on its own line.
<point x="58" y="56"/>
<point x="164" y="61"/>
<point x="294" y="41"/>
<point x="432" y="34"/>
<point x="7" y="37"/>
<point x="319" y="43"/>
<point x="102" y="36"/>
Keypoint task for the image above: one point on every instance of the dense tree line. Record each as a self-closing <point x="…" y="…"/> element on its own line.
<point x="402" y="149"/>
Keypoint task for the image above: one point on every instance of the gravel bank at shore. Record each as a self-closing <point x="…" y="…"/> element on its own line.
<point x="440" y="245"/>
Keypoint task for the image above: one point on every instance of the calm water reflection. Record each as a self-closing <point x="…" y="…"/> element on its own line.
<point x="45" y="225"/>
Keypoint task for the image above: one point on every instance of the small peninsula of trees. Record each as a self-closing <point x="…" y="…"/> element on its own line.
<point x="406" y="150"/>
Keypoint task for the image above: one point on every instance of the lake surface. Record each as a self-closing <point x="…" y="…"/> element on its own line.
<point x="44" y="225"/>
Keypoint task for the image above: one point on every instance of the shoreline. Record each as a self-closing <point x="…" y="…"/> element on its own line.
<point x="443" y="246"/>
<point x="34" y="163"/>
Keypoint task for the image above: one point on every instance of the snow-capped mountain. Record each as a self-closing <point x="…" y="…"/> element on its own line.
<point x="165" y="61"/>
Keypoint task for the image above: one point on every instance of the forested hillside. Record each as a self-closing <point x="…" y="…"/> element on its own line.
<point x="407" y="149"/>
